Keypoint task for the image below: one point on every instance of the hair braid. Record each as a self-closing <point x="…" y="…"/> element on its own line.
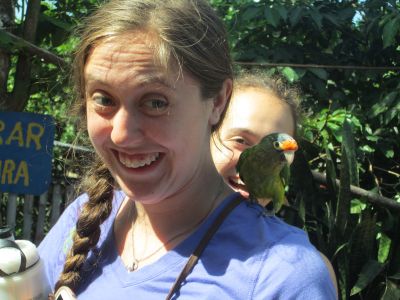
<point x="99" y="186"/>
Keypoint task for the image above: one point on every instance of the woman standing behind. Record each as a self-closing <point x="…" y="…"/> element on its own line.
<point x="153" y="78"/>
<point x="260" y="105"/>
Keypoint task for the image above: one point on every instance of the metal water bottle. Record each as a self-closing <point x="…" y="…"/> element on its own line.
<point x="22" y="275"/>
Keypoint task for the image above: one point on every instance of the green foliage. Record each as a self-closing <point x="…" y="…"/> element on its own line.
<point x="350" y="128"/>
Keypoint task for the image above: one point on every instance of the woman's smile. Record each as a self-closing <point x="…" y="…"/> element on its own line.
<point x="138" y="160"/>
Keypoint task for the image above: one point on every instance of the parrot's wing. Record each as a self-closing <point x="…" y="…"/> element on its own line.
<point x="278" y="197"/>
<point x="242" y="158"/>
<point x="285" y="175"/>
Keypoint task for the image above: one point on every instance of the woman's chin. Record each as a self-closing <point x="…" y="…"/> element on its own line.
<point x="239" y="188"/>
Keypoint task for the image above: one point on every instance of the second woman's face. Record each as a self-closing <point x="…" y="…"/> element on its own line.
<point x="151" y="128"/>
<point x="252" y="114"/>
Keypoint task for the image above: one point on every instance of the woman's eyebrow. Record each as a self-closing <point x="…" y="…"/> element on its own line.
<point x="145" y="80"/>
<point x="241" y="131"/>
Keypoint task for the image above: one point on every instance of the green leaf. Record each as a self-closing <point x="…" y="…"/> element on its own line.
<point x="367" y="148"/>
<point x="296" y="15"/>
<point x="390" y="31"/>
<point x="250" y="13"/>
<point x="343" y="205"/>
<point x="317" y="18"/>
<point x="362" y="246"/>
<point x="368" y="273"/>
<point x="392" y="113"/>
<point x="332" y="18"/>
<point x="290" y="74"/>
<point x="343" y="275"/>
<point x="320" y="73"/>
<point x="282" y="12"/>
<point x="384" y="248"/>
<point x="395" y="276"/>
<point x="357" y="206"/>
<point x="389" y="153"/>
<point x="349" y="144"/>
<point x="392" y="291"/>
<point x="272" y="16"/>
<point x="382" y="105"/>
<point x="336" y="130"/>
<point x="330" y="172"/>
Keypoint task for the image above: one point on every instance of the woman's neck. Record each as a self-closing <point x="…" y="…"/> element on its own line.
<point x="168" y="222"/>
<point x="184" y="209"/>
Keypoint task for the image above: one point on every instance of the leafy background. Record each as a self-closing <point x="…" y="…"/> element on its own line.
<point x="344" y="55"/>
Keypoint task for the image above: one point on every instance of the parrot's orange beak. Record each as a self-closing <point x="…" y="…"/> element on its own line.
<point x="289" y="145"/>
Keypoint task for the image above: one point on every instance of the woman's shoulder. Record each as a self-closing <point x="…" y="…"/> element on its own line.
<point x="285" y="257"/>
<point x="275" y="257"/>
<point x="251" y="220"/>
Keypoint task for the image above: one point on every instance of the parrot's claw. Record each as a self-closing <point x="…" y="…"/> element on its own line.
<point x="253" y="200"/>
<point x="268" y="212"/>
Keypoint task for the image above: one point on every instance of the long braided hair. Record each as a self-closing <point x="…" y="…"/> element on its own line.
<point x="191" y="36"/>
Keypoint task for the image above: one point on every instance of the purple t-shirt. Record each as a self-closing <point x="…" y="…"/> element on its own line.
<point x="251" y="256"/>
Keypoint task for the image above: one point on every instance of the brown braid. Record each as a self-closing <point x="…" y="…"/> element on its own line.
<point x="99" y="186"/>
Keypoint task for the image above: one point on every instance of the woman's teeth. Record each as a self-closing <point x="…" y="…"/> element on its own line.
<point x="237" y="183"/>
<point x="144" y="160"/>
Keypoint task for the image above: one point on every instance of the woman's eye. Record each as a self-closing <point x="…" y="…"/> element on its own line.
<point x="102" y="100"/>
<point x="242" y="141"/>
<point x="155" y="106"/>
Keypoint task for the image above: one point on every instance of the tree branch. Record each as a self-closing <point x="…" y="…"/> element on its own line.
<point x="22" y="83"/>
<point x="371" y="196"/>
<point x="20" y="43"/>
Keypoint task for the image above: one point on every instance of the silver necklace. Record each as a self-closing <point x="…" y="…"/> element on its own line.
<point x="137" y="261"/>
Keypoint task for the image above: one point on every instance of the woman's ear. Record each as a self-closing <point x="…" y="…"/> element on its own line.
<point x="220" y="101"/>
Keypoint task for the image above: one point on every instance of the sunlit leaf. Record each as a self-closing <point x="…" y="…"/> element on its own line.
<point x="357" y="206"/>
<point x="384" y="248"/>
<point x="290" y="74"/>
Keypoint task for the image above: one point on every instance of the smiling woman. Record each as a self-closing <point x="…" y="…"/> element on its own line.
<point x="153" y="79"/>
<point x="260" y="105"/>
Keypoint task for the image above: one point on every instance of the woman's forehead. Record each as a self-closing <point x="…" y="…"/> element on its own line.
<point x="259" y="111"/>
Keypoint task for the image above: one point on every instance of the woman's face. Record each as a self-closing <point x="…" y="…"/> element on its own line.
<point x="252" y="114"/>
<point x="152" y="128"/>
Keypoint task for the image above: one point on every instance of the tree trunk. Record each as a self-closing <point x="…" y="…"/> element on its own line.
<point x="6" y="23"/>
<point x="21" y="91"/>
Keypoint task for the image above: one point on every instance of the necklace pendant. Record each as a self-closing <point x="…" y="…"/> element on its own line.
<point x="134" y="266"/>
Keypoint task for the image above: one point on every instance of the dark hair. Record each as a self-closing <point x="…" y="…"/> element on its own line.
<point x="259" y="79"/>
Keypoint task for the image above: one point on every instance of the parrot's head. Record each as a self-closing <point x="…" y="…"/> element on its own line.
<point x="265" y="162"/>
<point x="281" y="145"/>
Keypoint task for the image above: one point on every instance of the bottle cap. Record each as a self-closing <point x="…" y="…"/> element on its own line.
<point x="6" y="232"/>
<point x="16" y="256"/>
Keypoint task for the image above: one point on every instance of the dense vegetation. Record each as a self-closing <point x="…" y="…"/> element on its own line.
<point x="345" y="57"/>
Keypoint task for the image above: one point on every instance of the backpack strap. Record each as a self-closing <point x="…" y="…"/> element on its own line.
<point x="194" y="257"/>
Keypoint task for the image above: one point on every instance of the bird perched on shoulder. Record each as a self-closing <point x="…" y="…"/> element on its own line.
<point x="264" y="168"/>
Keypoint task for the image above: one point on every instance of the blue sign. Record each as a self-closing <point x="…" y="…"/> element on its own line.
<point x="26" y="151"/>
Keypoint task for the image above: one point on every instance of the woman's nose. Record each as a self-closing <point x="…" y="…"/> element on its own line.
<point x="127" y="130"/>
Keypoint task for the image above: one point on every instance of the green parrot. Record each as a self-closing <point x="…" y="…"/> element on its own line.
<point x="264" y="168"/>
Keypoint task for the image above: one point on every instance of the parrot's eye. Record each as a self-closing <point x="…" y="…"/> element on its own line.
<point x="277" y="145"/>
